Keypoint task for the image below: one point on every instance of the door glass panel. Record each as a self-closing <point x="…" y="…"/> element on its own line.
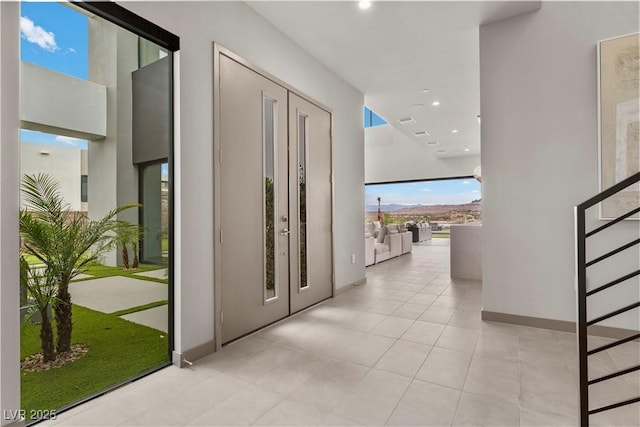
<point x="270" y="193"/>
<point x="302" y="198"/>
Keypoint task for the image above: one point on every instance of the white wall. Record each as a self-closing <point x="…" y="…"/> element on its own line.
<point x="9" y="205"/>
<point x="61" y="162"/>
<point x="390" y="155"/>
<point x="55" y="103"/>
<point x="539" y="157"/>
<point x="238" y="28"/>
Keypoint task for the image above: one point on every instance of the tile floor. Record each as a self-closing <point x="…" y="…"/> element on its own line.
<point x="407" y="348"/>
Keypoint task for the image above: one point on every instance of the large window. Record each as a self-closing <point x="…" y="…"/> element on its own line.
<point x="441" y="202"/>
<point x="372" y="119"/>
<point x="95" y="274"/>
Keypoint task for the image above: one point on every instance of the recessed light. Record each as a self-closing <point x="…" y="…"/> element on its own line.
<point x="432" y="143"/>
<point x="406" y="120"/>
<point x="425" y="90"/>
<point x="421" y="133"/>
<point x="45" y="153"/>
<point x="435" y="103"/>
<point x="454" y="131"/>
<point x="478" y="117"/>
<point x="467" y="149"/>
<point x="364" y="4"/>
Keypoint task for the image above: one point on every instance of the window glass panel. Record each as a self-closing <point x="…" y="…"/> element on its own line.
<point x="302" y="198"/>
<point x="70" y="59"/>
<point x="270" y="189"/>
<point x="376" y="120"/>
<point x="155" y="213"/>
<point x="372" y="119"/>
<point x="84" y="187"/>
<point x="367" y="117"/>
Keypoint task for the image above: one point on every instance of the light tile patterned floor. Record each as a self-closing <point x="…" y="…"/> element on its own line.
<point x="407" y="348"/>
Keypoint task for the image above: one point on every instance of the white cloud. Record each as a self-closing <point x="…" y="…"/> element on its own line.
<point x="475" y="191"/>
<point x="72" y="50"/>
<point x="38" y="35"/>
<point x="427" y="189"/>
<point x="466" y="182"/>
<point x="69" y="140"/>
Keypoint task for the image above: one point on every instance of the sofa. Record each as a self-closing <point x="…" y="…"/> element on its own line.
<point x="390" y="241"/>
<point x="369" y="244"/>
<point x="407" y="241"/>
<point x="420" y="231"/>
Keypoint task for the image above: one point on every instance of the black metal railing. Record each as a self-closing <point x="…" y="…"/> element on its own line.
<point x="583" y="323"/>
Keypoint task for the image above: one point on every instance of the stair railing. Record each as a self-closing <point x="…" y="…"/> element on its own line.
<point x="583" y="322"/>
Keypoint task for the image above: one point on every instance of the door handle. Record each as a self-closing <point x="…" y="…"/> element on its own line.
<point x="285" y="232"/>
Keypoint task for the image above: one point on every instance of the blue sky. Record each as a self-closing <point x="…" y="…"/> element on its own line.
<point x="55" y="37"/>
<point x="441" y="192"/>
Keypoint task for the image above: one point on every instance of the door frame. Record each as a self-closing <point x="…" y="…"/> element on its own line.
<point x="219" y="50"/>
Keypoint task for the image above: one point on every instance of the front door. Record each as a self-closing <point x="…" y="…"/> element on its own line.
<point x="310" y="205"/>
<point x="275" y="208"/>
<point x="254" y="200"/>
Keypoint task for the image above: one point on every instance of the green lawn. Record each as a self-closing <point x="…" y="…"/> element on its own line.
<point x="31" y="259"/>
<point x="118" y="350"/>
<point x="99" y="271"/>
<point x="440" y="234"/>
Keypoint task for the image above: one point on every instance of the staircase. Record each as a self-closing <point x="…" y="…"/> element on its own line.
<point x="583" y="294"/>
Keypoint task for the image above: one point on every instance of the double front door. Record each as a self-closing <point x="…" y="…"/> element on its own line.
<point x="275" y="206"/>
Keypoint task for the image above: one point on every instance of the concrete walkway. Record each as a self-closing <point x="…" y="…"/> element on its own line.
<point x="156" y="318"/>
<point x="111" y="294"/>
<point x="156" y="274"/>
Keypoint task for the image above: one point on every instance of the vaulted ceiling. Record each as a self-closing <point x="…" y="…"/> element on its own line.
<point x="395" y="50"/>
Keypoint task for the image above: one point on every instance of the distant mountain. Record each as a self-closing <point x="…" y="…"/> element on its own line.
<point x="388" y="208"/>
<point x="405" y="209"/>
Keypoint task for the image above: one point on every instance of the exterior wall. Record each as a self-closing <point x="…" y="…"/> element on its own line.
<point x="237" y="27"/>
<point x="61" y="162"/>
<point x="9" y="205"/>
<point x="392" y="156"/>
<point x="540" y="158"/>
<point x="113" y="55"/>
<point x="62" y="105"/>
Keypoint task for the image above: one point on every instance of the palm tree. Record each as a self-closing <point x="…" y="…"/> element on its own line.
<point x="135" y="243"/>
<point x="65" y="242"/>
<point x="128" y="233"/>
<point x="41" y="290"/>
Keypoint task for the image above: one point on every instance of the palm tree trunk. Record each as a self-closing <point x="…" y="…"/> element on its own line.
<point x="63" y="319"/>
<point x="136" y="261"/>
<point x="125" y="257"/>
<point x="46" y="337"/>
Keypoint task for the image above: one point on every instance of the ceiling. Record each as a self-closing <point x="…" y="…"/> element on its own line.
<point x="394" y="50"/>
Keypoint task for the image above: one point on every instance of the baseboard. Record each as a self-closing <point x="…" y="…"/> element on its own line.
<point x="349" y="286"/>
<point x="18" y="423"/>
<point x="555" y="325"/>
<point x="188" y="357"/>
